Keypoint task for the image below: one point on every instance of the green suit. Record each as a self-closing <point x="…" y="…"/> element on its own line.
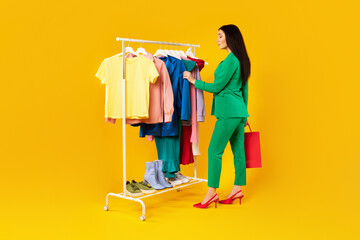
<point x="230" y="108"/>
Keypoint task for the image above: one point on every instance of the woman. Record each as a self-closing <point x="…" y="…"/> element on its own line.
<point x="230" y="90"/>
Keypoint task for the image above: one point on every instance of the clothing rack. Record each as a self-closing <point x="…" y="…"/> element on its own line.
<point x="123" y="195"/>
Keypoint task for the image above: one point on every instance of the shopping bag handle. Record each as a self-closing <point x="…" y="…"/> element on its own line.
<point x="249" y="127"/>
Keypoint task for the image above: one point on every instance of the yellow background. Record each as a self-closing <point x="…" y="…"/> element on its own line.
<point x="59" y="158"/>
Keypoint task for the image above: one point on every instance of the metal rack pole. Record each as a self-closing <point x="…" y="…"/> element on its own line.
<point x="124" y="119"/>
<point x="195" y="158"/>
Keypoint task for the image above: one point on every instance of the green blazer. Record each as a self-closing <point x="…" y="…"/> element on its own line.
<point x="228" y="99"/>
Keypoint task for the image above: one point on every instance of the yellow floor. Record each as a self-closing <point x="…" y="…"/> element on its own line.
<point x="265" y="213"/>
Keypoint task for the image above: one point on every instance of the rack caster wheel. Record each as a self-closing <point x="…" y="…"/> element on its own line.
<point x="106" y="208"/>
<point x="142" y="217"/>
<point x="178" y="190"/>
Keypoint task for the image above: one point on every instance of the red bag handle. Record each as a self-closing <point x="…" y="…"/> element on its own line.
<point x="249" y="127"/>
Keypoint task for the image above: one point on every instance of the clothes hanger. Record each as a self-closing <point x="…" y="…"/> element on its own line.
<point x="174" y="54"/>
<point x="181" y="53"/>
<point x="190" y="53"/>
<point x="170" y="52"/>
<point x="141" y="50"/>
<point x="166" y="51"/>
<point x="177" y="52"/>
<point x="160" y="52"/>
<point x="128" y="49"/>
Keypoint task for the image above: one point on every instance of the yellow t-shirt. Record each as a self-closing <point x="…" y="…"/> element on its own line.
<point x="139" y="73"/>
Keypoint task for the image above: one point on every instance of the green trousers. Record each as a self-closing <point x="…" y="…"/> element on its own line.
<point x="227" y="129"/>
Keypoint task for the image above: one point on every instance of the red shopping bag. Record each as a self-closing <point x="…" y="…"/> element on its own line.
<point x="252" y="149"/>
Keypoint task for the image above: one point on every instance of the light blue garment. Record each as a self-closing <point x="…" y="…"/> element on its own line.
<point x="200" y="104"/>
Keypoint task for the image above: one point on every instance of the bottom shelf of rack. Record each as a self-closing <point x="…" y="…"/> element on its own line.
<point x="192" y="181"/>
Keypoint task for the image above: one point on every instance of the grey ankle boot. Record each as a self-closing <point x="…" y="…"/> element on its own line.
<point x="150" y="176"/>
<point x="160" y="174"/>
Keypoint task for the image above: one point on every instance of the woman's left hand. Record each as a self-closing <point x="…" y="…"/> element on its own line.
<point x="189" y="77"/>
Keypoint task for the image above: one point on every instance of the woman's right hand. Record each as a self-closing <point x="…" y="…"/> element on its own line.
<point x="189" y="77"/>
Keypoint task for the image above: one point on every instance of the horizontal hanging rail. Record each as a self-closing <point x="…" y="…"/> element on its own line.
<point x="156" y="42"/>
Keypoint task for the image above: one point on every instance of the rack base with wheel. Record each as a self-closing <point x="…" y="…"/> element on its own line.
<point x="138" y="199"/>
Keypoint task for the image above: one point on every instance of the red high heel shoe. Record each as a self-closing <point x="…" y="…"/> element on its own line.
<point x="231" y="199"/>
<point x="211" y="200"/>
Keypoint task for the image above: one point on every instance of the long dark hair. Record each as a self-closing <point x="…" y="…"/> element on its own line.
<point x="235" y="42"/>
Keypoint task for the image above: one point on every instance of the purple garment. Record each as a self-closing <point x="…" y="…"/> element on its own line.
<point x="200" y="105"/>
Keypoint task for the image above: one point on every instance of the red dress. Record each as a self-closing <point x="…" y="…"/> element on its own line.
<point x="186" y="153"/>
